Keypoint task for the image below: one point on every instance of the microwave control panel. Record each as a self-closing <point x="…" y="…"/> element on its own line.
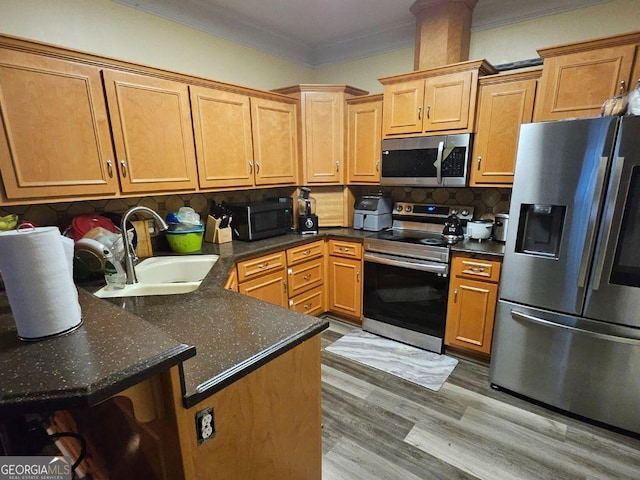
<point x="454" y="164"/>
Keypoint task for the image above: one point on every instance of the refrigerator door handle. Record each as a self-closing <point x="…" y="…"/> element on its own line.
<point x="601" y="336"/>
<point x="616" y="178"/>
<point x="593" y="217"/>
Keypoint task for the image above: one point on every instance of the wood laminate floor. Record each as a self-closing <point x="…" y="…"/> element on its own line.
<point x="378" y="426"/>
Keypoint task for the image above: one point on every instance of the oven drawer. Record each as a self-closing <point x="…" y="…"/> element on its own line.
<point x="345" y="249"/>
<point x="480" y="269"/>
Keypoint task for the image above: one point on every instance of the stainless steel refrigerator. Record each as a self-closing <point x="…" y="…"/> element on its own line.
<point x="568" y="319"/>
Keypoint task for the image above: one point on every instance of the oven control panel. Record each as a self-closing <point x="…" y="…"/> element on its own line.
<point x="425" y="210"/>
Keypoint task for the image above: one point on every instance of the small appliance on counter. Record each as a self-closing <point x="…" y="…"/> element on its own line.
<point x="500" y="227"/>
<point x="258" y="220"/>
<point x="479" y="229"/>
<point x="373" y="213"/>
<point x="307" y="218"/>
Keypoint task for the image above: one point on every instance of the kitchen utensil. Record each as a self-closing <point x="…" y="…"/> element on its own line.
<point x="479" y="229"/>
<point x="185" y="241"/>
<point x="92" y="254"/>
<point x="500" y="227"/>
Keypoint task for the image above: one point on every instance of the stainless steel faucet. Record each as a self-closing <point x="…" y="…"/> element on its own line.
<point x="129" y="252"/>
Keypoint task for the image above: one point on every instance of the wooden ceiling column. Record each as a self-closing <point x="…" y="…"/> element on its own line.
<point x="443" y="30"/>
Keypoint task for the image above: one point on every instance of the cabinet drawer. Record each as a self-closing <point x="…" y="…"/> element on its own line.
<point x="305" y="275"/>
<point x="310" y="302"/>
<point x="488" y="270"/>
<point x="257" y="266"/>
<point x="305" y="252"/>
<point x="345" y="249"/>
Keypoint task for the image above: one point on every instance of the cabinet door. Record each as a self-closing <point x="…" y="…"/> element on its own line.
<point x="275" y="142"/>
<point x="471" y="314"/>
<point x="446" y="101"/>
<point x="270" y="288"/>
<point x="576" y="85"/>
<point x="503" y="108"/>
<point x="364" y="142"/>
<point x="345" y="287"/>
<point x="222" y="130"/>
<point x="403" y="107"/>
<point x="323" y="145"/>
<point x="152" y="132"/>
<point x="54" y="138"/>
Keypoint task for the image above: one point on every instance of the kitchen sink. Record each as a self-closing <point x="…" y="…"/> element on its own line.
<point x="165" y="276"/>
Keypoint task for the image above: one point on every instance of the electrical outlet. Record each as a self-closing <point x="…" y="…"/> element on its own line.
<point x="205" y="426"/>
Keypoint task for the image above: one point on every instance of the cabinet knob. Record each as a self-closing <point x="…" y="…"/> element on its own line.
<point x="479" y="162"/>
<point x="123" y="166"/>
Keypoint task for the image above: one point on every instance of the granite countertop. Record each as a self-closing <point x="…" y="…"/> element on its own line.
<point x="485" y="247"/>
<point x="112" y="350"/>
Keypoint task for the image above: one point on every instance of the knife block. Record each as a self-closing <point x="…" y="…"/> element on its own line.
<point x="215" y="234"/>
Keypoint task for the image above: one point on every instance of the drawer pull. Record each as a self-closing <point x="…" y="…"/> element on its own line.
<point x="306" y="277"/>
<point x="263" y="265"/>
<point x="307" y="306"/>
<point x="477" y="269"/>
<point x="306" y="252"/>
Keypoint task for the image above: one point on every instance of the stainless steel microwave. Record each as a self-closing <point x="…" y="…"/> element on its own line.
<point x="258" y="220"/>
<point x="437" y="161"/>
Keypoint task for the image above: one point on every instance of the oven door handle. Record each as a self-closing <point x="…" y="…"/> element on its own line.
<point x="425" y="266"/>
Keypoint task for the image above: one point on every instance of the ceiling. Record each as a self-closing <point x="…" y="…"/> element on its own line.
<point x="320" y="32"/>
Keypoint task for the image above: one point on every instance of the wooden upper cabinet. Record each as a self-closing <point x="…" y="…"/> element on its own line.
<point x="403" y="103"/>
<point x="322" y="126"/>
<point x="505" y="102"/>
<point x="275" y="142"/>
<point x="447" y="101"/>
<point x="152" y="132"/>
<point x="435" y="100"/>
<point x="579" y="77"/>
<point x="54" y="138"/>
<point x="364" y="138"/>
<point x="222" y="130"/>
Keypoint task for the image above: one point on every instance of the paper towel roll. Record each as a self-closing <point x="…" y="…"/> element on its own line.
<point x="37" y="270"/>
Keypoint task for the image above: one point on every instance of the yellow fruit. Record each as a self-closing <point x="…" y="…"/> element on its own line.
<point x="8" y="222"/>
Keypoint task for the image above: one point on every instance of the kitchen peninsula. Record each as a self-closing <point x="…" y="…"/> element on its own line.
<point x="256" y="367"/>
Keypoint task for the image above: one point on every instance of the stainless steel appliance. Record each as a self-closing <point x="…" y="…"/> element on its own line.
<point x="406" y="271"/>
<point x="307" y="218"/>
<point x="437" y="161"/>
<point x="372" y="213"/>
<point x="567" y="325"/>
<point x="500" y="227"/>
<point x="258" y="220"/>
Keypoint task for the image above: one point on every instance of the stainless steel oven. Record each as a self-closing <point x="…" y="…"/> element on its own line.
<point x="406" y="276"/>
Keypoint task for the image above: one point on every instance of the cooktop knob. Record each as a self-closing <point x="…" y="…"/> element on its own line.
<point x="399" y="208"/>
<point x="454" y="211"/>
<point x="465" y="212"/>
<point x="407" y="208"/>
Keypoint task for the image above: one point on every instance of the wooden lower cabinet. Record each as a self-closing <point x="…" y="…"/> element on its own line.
<point x="267" y="425"/>
<point x="345" y="279"/>
<point x="473" y="295"/>
<point x="232" y="280"/>
<point x="271" y="288"/>
<point x="310" y="302"/>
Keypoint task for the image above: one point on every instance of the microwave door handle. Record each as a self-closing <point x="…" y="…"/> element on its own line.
<point x="616" y="178"/>
<point x="591" y="227"/>
<point x="438" y="163"/>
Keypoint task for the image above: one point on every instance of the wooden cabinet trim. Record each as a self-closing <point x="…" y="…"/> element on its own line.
<point x="483" y="67"/>
<point x="595" y="44"/>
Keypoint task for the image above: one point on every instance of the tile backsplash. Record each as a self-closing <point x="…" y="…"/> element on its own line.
<point x="484" y="200"/>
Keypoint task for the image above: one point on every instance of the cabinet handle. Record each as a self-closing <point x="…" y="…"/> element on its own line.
<point x="284" y="286"/>
<point x="455" y="296"/>
<point x="291" y="303"/>
<point x="477" y="269"/>
<point x="257" y="167"/>
<point x="623" y="87"/>
<point x="479" y="162"/>
<point x="123" y="164"/>
<point x="306" y="252"/>
<point x="337" y="166"/>
<point x="110" y="168"/>
<point x="419" y="113"/>
<point x="250" y="167"/>
<point x="358" y="276"/>
<point x="263" y="265"/>
<point x="377" y="165"/>
<point x="428" y="112"/>
<point x="306" y="277"/>
<point x="307" y="306"/>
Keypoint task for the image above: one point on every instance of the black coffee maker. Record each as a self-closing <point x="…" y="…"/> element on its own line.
<point x="307" y="218"/>
<point x="453" y="232"/>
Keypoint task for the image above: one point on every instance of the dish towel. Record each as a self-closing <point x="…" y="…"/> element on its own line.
<point x="36" y="265"/>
